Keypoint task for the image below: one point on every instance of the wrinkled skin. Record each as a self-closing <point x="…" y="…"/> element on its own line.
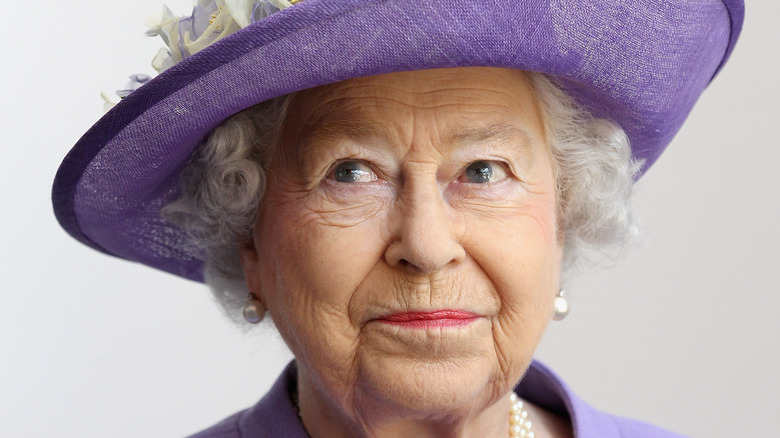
<point x="372" y="208"/>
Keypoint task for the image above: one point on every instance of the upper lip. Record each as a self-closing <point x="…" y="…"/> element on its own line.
<point x="429" y="315"/>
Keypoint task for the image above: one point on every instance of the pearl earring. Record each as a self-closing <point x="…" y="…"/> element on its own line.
<point x="253" y="310"/>
<point x="561" y="306"/>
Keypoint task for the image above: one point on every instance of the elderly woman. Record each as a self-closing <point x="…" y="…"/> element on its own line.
<point x="399" y="185"/>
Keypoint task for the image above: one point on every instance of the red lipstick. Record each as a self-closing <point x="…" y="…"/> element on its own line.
<point x="436" y="318"/>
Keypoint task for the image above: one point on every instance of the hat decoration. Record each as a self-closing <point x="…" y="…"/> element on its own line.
<point x="211" y="20"/>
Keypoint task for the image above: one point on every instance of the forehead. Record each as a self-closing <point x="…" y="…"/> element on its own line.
<point x="454" y="105"/>
<point x="471" y="91"/>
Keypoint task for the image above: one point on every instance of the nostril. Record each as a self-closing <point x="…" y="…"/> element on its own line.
<point x="408" y="266"/>
<point x="422" y="264"/>
<point x="403" y="263"/>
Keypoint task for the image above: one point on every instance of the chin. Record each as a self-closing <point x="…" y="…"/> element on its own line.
<point x="427" y="388"/>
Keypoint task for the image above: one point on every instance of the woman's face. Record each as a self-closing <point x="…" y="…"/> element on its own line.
<point x="406" y="246"/>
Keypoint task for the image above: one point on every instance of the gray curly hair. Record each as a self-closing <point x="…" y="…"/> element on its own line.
<point x="223" y="185"/>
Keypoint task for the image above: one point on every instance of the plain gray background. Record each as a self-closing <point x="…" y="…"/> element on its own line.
<point x="682" y="334"/>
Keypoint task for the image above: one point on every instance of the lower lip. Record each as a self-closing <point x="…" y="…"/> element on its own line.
<point x="436" y="319"/>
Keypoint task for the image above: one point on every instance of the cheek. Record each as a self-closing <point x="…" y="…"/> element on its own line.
<point x="521" y="255"/>
<point x="522" y="259"/>
<point x="519" y="246"/>
<point x="313" y="266"/>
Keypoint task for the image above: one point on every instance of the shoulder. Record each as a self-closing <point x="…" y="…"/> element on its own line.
<point x="629" y="428"/>
<point x="227" y="428"/>
<point x="544" y="388"/>
<point x="272" y="417"/>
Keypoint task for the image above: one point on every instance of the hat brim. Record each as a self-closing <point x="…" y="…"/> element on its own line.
<point x="635" y="62"/>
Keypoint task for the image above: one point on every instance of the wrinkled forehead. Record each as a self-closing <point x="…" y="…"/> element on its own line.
<point x="463" y="101"/>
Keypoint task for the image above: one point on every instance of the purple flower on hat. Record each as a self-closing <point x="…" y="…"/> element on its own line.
<point x="136" y="81"/>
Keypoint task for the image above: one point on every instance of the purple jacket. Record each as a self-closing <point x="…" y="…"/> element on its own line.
<point x="274" y="415"/>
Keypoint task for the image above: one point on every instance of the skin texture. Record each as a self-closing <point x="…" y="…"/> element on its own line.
<point x="413" y="232"/>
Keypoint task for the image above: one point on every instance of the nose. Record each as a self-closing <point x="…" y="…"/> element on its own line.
<point x="424" y="235"/>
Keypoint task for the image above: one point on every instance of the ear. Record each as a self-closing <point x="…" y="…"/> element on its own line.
<point x="250" y="265"/>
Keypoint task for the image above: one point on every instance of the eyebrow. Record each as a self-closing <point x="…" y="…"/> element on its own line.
<point x="459" y="138"/>
<point x="353" y="129"/>
<point x="332" y="132"/>
<point x="498" y="133"/>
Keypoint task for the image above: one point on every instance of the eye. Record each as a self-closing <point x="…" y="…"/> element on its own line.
<point x="352" y="172"/>
<point x="481" y="172"/>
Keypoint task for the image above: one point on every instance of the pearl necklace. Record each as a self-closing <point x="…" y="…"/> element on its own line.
<point x="519" y="425"/>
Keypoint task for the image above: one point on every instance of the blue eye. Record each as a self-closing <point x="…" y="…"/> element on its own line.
<point x="481" y="172"/>
<point x="353" y="172"/>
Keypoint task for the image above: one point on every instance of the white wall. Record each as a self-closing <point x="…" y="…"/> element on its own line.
<point x="683" y="334"/>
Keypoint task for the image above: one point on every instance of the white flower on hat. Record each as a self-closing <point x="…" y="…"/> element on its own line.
<point x="211" y="20"/>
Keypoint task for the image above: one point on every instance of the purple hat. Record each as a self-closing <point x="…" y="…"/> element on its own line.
<point x="640" y="63"/>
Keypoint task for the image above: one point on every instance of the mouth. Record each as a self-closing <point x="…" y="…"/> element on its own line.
<point x="436" y="318"/>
